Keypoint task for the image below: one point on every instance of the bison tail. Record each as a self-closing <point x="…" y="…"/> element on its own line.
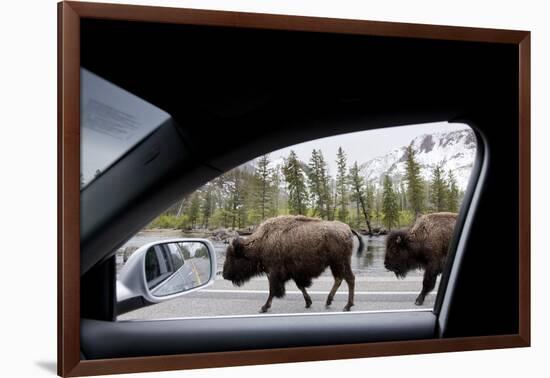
<point x="360" y="239"/>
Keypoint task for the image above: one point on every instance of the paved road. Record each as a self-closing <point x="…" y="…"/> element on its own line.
<point x="376" y="290"/>
<point x="222" y="298"/>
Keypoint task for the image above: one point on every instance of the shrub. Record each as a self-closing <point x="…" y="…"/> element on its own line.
<point x="406" y="218"/>
<point x="169" y="221"/>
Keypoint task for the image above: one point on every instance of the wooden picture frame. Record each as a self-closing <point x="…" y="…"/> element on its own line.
<point x="69" y="357"/>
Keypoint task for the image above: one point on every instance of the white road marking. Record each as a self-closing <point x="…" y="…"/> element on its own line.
<point x="330" y="313"/>
<point x="313" y="292"/>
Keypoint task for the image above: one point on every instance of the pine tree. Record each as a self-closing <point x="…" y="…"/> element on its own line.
<point x="194" y="209"/>
<point x="452" y="193"/>
<point x="263" y="191"/>
<point x="326" y="187"/>
<point x="275" y="204"/>
<point x="297" y="191"/>
<point x="438" y="189"/>
<point x="357" y="187"/>
<point x="179" y="208"/>
<point x="402" y="195"/>
<point x="415" y="184"/>
<point x="222" y="198"/>
<point x="315" y="185"/>
<point x="319" y="184"/>
<point x="389" y="204"/>
<point x="341" y="192"/>
<point x="236" y="196"/>
<point x="378" y="207"/>
<point x="355" y="199"/>
<point x="207" y="207"/>
<point x="333" y="199"/>
<point x="369" y="198"/>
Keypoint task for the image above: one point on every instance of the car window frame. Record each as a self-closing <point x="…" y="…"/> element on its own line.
<point x="466" y="211"/>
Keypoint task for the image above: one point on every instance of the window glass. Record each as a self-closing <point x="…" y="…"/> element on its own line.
<point x="371" y="211"/>
<point x="176" y="252"/>
<point x="152" y="266"/>
<point x="112" y="121"/>
<point x="158" y="265"/>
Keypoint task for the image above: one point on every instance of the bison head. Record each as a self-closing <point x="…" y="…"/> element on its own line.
<point x="398" y="253"/>
<point x="238" y="266"/>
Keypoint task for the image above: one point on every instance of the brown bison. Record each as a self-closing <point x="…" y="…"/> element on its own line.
<point x="295" y="248"/>
<point x="424" y="245"/>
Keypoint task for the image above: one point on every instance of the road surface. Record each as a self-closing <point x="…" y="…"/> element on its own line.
<point x="375" y="290"/>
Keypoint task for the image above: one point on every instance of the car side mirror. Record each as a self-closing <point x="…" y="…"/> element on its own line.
<point x="160" y="271"/>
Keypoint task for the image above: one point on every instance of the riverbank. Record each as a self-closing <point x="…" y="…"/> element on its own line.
<point x="219" y="234"/>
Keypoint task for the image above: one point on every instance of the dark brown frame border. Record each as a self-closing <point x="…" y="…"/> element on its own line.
<point x="69" y="15"/>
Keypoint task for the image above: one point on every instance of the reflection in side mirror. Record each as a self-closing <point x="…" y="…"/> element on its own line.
<point x="163" y="270"/>
<point x="172" y="268"/>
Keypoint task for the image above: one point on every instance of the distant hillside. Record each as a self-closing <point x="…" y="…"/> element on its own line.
<point x="455" y="150"/>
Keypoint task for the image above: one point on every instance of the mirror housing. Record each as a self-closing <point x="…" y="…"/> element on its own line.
<point x="164" y="270"/>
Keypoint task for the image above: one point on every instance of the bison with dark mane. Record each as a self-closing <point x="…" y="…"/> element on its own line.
<point x="424" y="245"/>
<point x="295" y="248"/>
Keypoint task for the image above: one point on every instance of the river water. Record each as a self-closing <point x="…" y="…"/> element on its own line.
<point x="369" y="263"/>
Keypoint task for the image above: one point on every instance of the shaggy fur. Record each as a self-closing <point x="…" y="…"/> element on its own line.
<point x="424" y="245"/>
<point x="295" y="248"/>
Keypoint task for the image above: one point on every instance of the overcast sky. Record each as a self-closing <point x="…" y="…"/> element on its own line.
<point x="365" y="145"/>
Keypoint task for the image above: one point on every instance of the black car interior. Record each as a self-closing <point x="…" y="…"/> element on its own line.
<point x="237" y="93"/>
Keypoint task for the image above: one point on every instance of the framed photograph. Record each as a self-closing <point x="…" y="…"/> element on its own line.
<point x="239" y="188"/>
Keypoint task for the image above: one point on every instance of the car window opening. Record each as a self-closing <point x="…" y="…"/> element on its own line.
<point x="356" y="222"/>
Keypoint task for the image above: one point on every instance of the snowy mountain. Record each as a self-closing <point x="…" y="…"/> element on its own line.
<point x="455" y="150"/>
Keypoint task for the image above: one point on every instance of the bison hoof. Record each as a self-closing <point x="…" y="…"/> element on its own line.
<point x="263" y="309"/>
<point x="419" y="301"/>
<point x="348" y="307"/>
<point x="308" y="305"/>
